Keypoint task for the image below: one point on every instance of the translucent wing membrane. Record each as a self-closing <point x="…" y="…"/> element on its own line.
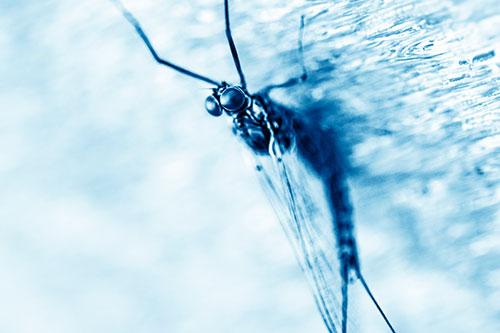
<point x="314" y="219"/>
<point x="306" y="221"/>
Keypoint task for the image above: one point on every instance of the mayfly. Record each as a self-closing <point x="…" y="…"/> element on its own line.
<point x="277" y="135"/>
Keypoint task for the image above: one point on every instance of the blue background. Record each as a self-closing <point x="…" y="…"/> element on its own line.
<point x="126" y="208"/>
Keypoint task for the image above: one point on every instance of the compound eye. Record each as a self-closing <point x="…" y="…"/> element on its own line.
<point x="212" y="106"/>
<point x="232" y="99"/>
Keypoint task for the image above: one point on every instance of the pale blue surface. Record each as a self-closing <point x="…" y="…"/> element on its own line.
<point x="125" y="208"/>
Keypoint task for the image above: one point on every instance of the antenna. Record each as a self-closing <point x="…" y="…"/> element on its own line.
<point x="233" y="47"/>
<point x="135" y="23"/>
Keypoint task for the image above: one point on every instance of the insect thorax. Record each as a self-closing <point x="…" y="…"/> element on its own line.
<point x="260" y="125"/>
<point x="255" y="119"/>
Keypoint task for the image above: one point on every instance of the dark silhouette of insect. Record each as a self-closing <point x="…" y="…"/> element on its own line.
<point x="271" y="129"/>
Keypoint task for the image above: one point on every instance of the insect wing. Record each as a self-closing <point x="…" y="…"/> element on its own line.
<point x="298" y="199"/>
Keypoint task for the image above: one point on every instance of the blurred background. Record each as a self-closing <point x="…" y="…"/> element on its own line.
<point x="125" y="207"/>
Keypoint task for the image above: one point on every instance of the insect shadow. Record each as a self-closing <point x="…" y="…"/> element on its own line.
<point x="271" y="129"/>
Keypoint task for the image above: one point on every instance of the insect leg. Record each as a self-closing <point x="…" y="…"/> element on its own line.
<point x="135" y="23"/>
<point x="300" y="49"/>
<point x="234" y="53"/>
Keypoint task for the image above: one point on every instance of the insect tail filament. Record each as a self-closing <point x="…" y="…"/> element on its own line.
<point x="363" y="282"/>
